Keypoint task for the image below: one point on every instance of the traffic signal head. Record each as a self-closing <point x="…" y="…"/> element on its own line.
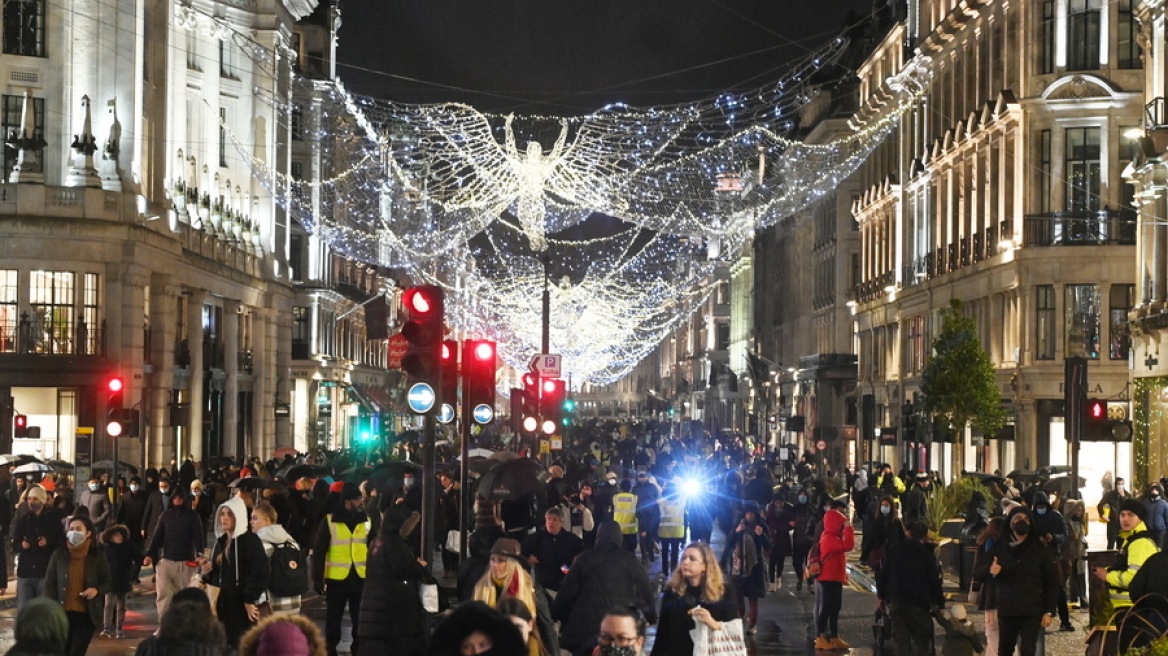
<point x="115" y="406"/>
<point x="423" y="330"/>
<point x="478" y="381"/>
<point x="1095" y="421"/>
<point x="448" y="360"/>
<point x="551" y="405"/>
<point x="529" y="404"/>
<point x="20" y="426"/>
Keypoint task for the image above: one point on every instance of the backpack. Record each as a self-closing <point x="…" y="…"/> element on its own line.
<point x="289" y="574"/>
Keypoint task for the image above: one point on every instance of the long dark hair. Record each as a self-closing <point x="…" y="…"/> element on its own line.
<point x="993" y="531"/>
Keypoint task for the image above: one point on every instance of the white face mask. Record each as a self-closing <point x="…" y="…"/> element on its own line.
<point x="94" y="487"/>
<point x="408" y="482"/>
<point x="135" y="488"/>
<point x="196" y="492"/>
<point x="75" y="537"/>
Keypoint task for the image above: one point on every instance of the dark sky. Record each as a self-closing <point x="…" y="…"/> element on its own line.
<point x="573" y="56"/>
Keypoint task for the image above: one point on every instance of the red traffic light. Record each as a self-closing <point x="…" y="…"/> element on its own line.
<point x="418" y="300"/>
<point x="1097" y="410"/>
<point x="484" y="351"/>
<point x="529" y="380"/>
<point x="115" y="385"/>
<point x="549" y="386"/>
<point x="20" y="421"/>
<point x="447" y="351"/>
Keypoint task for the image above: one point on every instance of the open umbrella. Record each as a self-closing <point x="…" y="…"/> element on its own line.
<point x="9" y="459"/>
<point x="479" y="453"/>
<point x="33" y="468"/>
<point x="61" y="465"/>
<point x="257" y="483"/>
<point x="988" y="479"/>
<point x="390" y="474"/>
<point x="1063" y="485"/>
<point x="1022" y="477"/>
<point x="293" y="472"/>
<point x="512" y="479"/>
<point x="109" y="465"/>
<point x="284" y="451"/>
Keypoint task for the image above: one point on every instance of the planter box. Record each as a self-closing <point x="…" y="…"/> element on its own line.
<point x="1102" y="641"/>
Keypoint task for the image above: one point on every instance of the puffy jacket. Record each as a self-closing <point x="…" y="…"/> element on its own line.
<point x="910" y="576"/>
<point x="1157" y="513"/>
<point x="603" y="577"/>
<point x="178" y="533"/>
<point x="1049" y="523"/>
<point x="1028" y="585"/>
<point x="837" y="539"/>
<point x="390" y="606"/>
<point x="30" y="527"/>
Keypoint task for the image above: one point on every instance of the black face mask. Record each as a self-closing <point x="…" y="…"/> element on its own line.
<point x="1021" y="529"/>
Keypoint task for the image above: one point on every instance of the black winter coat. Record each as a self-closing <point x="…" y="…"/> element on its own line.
<point x="910" y="576"/>
<point x="554" y="552"/>
<point x="676" y="622"/>
<point x="753" y="583"/>
<point x="29" y="527"/>
<point x="124" y="560"/>
<point x="1028" y="584"/>
<point x="131" y="510"/>
<point x="603" y="577"/>
<point x="1152" y="578"/>
<point x="244" y="571"/>
<point x="391" y="608"/>
<point x="178" y="533"/>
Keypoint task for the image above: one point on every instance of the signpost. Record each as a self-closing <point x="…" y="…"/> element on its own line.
<point x="547" y="365"/>
<point x="421" y="398"/>
<point x="821" y="445"/>
<point x="483" y="413"/>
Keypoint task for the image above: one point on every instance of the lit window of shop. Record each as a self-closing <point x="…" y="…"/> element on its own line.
<point x="1082" y="321"/>
<point x="1045" y="324"/>
<point x="8" y="310"/>
<point x="51" y="297"/>
<point x="1121" y="302"/>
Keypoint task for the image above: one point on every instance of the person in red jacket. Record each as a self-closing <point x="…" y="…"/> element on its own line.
<point x="835" y="542"/>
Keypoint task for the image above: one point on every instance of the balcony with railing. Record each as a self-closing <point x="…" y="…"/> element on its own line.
<point x="1102" y="227"/>
<point x="870" y="290"/>
<point x="33" y="336"/>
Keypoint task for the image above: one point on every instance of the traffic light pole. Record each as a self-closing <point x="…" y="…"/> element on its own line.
<point x="1075" y="393"/>
<point x="429" y="485"/>
<point x="547" y="304"/>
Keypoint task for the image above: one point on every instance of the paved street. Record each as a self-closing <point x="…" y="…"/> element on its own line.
<point x="785" y="625"/>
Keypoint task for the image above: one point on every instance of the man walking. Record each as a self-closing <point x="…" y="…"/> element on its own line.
<point x="909" y="586"/>
<point x="915" y="502"/>
<point x="648" y="515"/>
<point x="1109" y="511"/>
<point x="551" y="550"/>
<point x="624" y="511"/>
<point x="177" y="540"/>
<point x="338" y="564"/>
<point x="35" y="536"/>
<point x="96" y="499"/>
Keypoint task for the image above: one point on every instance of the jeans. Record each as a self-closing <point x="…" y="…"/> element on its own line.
<point x="776" y="565"/>
<point x="28" y="589"/>
<point x="912" y="630"/>
<point x="1013" y="628"/>
<point x="831" y="595"/>
<point x="670" y="553"/>
<point x="115" y="611"/>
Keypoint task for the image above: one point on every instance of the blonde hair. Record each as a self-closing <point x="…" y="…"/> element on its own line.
<point x="485" y="591"/>
<point x="264" y="508"/>
<point x="713" y="583"/>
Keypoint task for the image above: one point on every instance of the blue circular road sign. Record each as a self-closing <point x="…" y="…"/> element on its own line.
<point x="445" y="414"/>
<point x="420" y="398"/>
<point x="483" y="413"/>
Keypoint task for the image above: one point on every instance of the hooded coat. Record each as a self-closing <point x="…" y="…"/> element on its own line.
<point x="241" y="571"/>
<point x="470" y="617"/>
<point x="1049" y="523"/>
<point x="603" y="577"/>
<point x="837" y="540"/>
<point x="41" y="629"/>
<point x="391" y="608"/>
<point x="124" y="559"/>
<point x="1028" y="585"/>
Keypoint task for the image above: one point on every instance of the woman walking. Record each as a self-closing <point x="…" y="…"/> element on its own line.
<point x="79" y="577"/>
<point x="272" y="535"/>
<point x="392" y="618"/>
<point x="696" y="592"/>
<point x="744" y="561"/>
<point x="240" y="568"/>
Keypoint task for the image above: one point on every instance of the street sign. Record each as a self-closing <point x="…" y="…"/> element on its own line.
<point x="420" y="398"/>
<point x="821" y="445"/>
<point x="483" y="413"/>
<point x="557" y="443"/>
<point x="547" y="365"/>
<point x="545" y="446"/>
<point x="446" y="414"/>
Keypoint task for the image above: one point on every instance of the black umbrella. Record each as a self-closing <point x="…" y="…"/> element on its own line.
<point x="512" y="479"/>
<point x="108" y="465"/>
<point x="257" y="483"/>
<point x="293" y="472"/>
<point x="390" y="474"/>
<point x="987" y="479"/>
<point x="1022" y="476"/>
<point x="1063" y="486"/>
<point x="60" y="465"/>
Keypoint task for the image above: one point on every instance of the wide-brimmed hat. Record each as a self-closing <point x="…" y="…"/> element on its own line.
<point x="507" y="547"/>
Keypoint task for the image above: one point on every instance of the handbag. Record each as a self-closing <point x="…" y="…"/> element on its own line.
<point x="730" y="641"/>
<point x="429" y="594"/>
<point x="813" y="567"/>
<point x="454" y="541"/>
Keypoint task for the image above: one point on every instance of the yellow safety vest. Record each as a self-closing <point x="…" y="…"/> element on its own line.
<point x="347" y="549"/>
<point x="624" y="511"/>
<point x="672" y="519"/>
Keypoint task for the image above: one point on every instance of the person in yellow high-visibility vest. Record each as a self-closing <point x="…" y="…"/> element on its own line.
<point x="672" y="530"/>
<point x="624" y="511"/>
<point x="338" y="563"/>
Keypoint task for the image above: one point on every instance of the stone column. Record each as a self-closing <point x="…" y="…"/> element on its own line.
<point x="262" y="412"/>
<point x="231" y="310"/>
<point x="1157" y="216"/>
<point x="163" y="332"/>
<point x="195" y="395"/>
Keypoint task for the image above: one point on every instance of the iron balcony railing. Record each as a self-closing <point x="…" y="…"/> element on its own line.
<point x="1080" y="228"/>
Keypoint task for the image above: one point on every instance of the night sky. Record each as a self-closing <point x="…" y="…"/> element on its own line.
<point x="569" y="57"/>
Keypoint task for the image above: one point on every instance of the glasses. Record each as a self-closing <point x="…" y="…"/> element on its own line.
<point x="619" y="641"/>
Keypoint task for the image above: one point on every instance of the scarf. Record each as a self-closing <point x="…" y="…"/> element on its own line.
<point x="75" y="583"/>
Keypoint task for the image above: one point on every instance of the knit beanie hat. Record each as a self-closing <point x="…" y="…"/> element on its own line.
<point x="1134" y="507"/>
<point x="37" y="492"/>
<point x="283" y="639"/>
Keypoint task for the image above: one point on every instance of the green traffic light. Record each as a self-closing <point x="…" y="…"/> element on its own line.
<point x="569" y="405"/>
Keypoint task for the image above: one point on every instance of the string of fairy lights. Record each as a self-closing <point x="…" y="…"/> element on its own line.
<point x="478" y="202"/>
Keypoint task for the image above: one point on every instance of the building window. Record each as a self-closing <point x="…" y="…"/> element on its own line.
<point x="917" y="347"/>
<point x="227" y="65"/>
<point x="1082" y="321"/>
<point x="51" y="297"/>
<point x="722" y="336"/>
<point x="1121" y="302"/>
<point x="1083" y="37"/>
<point x="192" y="38"/>
<point x="300" y="333"/>
<point x="90" y="306"/>
<point x="1128" y="54"/>
<point x="1082" y="169"/>
<point x="222" y="136"/>
<point x="11" y="122"/>
<point x="24" y="27"/>
<point x="1044" y="172"/>
<point x="8" y="310"/>
<point x="296" y="257"/>
<point x="1046" y="38"/>
<point x="1044" y="336"/>
<point x="296" y="121"/>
